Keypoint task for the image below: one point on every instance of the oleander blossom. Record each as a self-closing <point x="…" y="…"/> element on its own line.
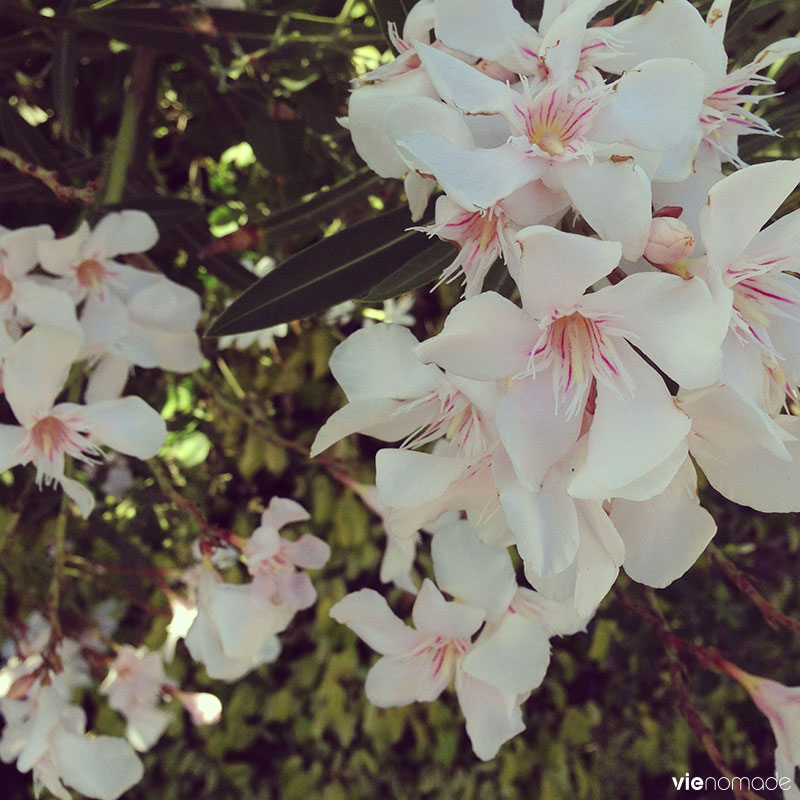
<point x="34" y="372"/>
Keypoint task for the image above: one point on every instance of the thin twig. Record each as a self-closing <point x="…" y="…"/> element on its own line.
<point x="709" y="658"/>
<point x="210" y="533"/>
<point x="49" y="178"/>
<point x="772" y="615"/>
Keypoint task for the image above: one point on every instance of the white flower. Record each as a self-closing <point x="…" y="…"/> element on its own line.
<point x="25" y="300"/>
<point x="34" y="372"/>
<point x="134" y="687"/>
<point x="583" y="144"/>
<point x="562" y="343"/>
<point x="43" y="732"/>
<point x="273" y="560"/>
<point x="234" y="630"/>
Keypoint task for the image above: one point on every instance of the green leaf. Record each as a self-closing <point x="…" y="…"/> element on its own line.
<point x="338" y="268"/>
<point x="321" y="205"/>
<point x="498" y="279"/>
<point x="165" y="211"/>
<point x="26" y="141"/>
<point x="387" y="11"/>
<point x="416" y="272"/>
<point x="63" y="73"/>
<point x="154" y="25"/>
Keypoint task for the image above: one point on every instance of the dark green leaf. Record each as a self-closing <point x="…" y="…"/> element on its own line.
<point x="336" y="269"/>
<point x="498" y="279"/>
<point x="416" y="272"/>
<point x="63" y="77"/>
<point x="63" y="72"/>
<point x="165" y="211"/>
<point x="155" y="26"/>
<point x="26" y="141"/>
<point x="322" y="205"/>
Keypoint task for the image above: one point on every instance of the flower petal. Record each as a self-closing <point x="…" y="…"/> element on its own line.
<point x="740" y="204"/>
<point x="11" y="439"/>
<point x="127" y="425"/>
<point x="282" y="511"/>
<point x="674" y="322"/>
<point x="670" y="28"/>
<point x="545" y="523"/>
<point x="472" y="178"/>
<point x="653" y="106"/>
<point x="18" y="249"/>
<point x="558" y="267"/>
<point x="46" y="305"/>
<point x="461" y="85"/>
<point x="471" y="571"/>
<point x="633" y="433"/>
<point x="406" y="478"/>
<point x="485" y="338"/>
<point x="613" y="197"/>
<point x="368" y="615"/>
<point x="492" y="715"/>
<point x="129" y="231"/>
<point x="396" y="681"/>
<point x="57" y="255"/>
<point x="487" y="29"/>
<point x="665" y="535"/>
<point x="379" y="361"/>
<point x="435" y="616"/>
<point x="35" y="370"/>
<point x="752" y="476"/>
<point x="368" y="111"/>
<point x="102" y="767"/>
<point x="513" y="655"/>
<point x="309" y="551"/>
<point x="536" y="431"/>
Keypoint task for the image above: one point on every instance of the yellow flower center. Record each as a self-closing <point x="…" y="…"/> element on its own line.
<point x="550" y="141"/>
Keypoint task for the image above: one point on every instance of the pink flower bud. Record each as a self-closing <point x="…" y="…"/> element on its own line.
<point x="670" y="241"/>
<point x="203" y="708"/>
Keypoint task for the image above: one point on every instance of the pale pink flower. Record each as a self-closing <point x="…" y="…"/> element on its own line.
<point x="134" y="686"/>
<point x="34" y="372"/>
<point x="274" y="561"/>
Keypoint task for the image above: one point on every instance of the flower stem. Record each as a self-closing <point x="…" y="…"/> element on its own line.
<point x="772" y="615"/>
<point x="136" y="91"/>
<point x="49" y="178"/>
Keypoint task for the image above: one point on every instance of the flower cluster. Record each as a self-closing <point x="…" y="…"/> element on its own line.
<point x="232" y="627"/>
<point x="659" y="331"/>
<point x="46" y="733"/>
<point x="85" y="305"/>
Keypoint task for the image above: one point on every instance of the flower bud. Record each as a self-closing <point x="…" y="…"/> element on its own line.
<point x="203" y="708"/>
<point x="670" y="241"/>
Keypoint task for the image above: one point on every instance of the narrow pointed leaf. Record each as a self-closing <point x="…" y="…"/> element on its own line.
<point x="416" y="272"/>
<point x="336" y="269"/>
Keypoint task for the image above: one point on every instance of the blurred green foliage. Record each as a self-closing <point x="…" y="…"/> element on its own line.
<point x="238" y="137"/>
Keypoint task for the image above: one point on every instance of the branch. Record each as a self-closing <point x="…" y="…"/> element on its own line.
<point x="709" y="658"/>
<point x="772" y="615"/>
<point x="210" y="535"/>
<point x="49" y="178"/>
<point x="136" y="91"/>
